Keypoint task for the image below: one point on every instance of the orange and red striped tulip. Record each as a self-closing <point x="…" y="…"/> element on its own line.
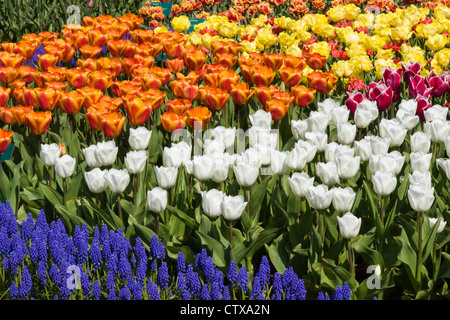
<point x="162" y="73"/>
<point x="219" y="47"/>
<point x="112" y="124"/>
<point x="274" y="60"/>
<point x="198" y="114"/>
<point x="6" y="115"/>
<point x="47" y="97"/>
<point x="94" y="117"/>
<point x="147" y="61"/>
<point x="138" y="110"/>
<point x="172" y="121"/>
<point x="45" y="61"/>
<point x="11" y="59"/>
<point x="323" y="82"/>
<point x="97" y="38"/>
<point x="178" y="106"/>
<point x="55" y="51"/>
<point x="100" y="79"/>
<point x="71" y="102"/>
<point x="38" y="121"/>
<point x="227" y="79"/>
<point x="20" y="113"/>
<point x="57" y="85"/>
<point x="302" y="95"/>
<point x="241" y="92"/>
<point x="264" y="93"/>
<point x="142" y="35"/>
<point x="277" y="108"/>
<point x="194" y="59"/>
<point x="175" y="65"/>
<point x="26" y="48"/>
<point x="183" y="90"/>
<point x="91" y="95"/>
<point x="89" y="63"/>
<point x="213" y="98"/>
<point x="8" y="74"/>
<point x="129" y="64"/>
<point x="117" y="47"/>
<point x="262" y="76"/>
<point x="77" y="77"/>
<point x="285" y="96"/>
<point x="19" y="95"/>
<point x="172" y="49"/>
<point x="18" y="83"/>
<point x="113" y="64"/>
<point x="294" y="62"/>
<point x="154" y="96"/>
<point x="6" y="137"/>
<point x="150" y="80"/>
<point x="113" y="104"/>
<point x="226" y="59"/>
<point x="27" y="73"/>
<point x="4" y="96"/>
<point x="315" y="61"/>
<point x="30" y="97"/>
<point x="90" y="51"/>
<point x="290" y="76"/>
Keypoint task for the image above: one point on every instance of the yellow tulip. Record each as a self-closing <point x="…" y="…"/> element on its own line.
<point x="285" y="39"/>
<point x="248" y="47"/>
<point x="336" y="13"/>
<point x="228" y="29"/>
<point x="351" y="11"/>
<point x="442" y="57"/>
<point x="343" y="68"/>
<point x="322" y="48"/>
<point x="181" y="23"/>
<point x="355" y="50"/>
<point x="402" y="33"/>
<point x="436" y="42"/>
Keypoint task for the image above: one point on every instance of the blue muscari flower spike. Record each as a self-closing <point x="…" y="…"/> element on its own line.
<point x="162" y="277"/>
<point x="200" y="259"/>
<point x="139" y="250"/>
<point x="242" y="279"/>
<point x="124" y="267"/>
<point x="323" y="296"/>
<point x="225" y="293"/>
<point x="41" y="222"/>
<point x="277" y="287"/>
<point x="54" y="274"/>
<point x="205" y="294"/>
<point x="346" y="291"/>
<point x="232" y="273"/>
<point x="264" y="271"/>
<point x="13" y="291"/>
<point x="111" y="294"/>
<point x="193" y="281"/>
<point x="42" y="272"/>
<point x="26" y="284"/>
<point x="337" y="295"/>
<point x="27" y="227"/>
<point x="152" y="290"/>
<point x="85" y="284"/>
<point x="5" y="241"/>
<point x="95" y="255"/>
<point x="135" y="288"/>
<point x="96" y="290"/>
<point x="141" y="272"/>
<point x="293" y="286"/>
<point x="124" y="293"/>
<point x="181" y="263"/>
<point x="257" y="292"/>
<point x="110" y="281"/>
<point x="215" y="291"/>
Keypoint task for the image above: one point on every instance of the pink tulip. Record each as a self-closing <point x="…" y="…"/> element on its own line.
<point x="353" y="98"/>
<point x="439" y="83"/>
<point x="410" y="69"/>
<point x="381" y="93"/>
<point x="392" y="78"/>
<point x="423" y="103"/>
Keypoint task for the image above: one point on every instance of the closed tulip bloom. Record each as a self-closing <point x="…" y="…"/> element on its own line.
<point x="202" y="167"/>
<point x="213" y="146"/>
<point x="409" y="121"/>
<point x="112" y="124"/>
<point x="4" y="95"/>
<point x="227" y="79"/>
<point x="420" y="198"/>
<point x="226" y="135"/>
<point x="444" y="165"/>
<point x="213" y="98"/>
<point x="363" y="149"/>
<point x="77" y="77"/>
<point x="195" y="60"/>
<point x="347" y="166"/>
<point x="392" y="161"/>
<point x="94" y="117"/>
<point x="65" y="166"/>
<point x="49" y="153"/>
<point x="221" y="167"/>
<point x="420" y="161"/>
<point x="178" y="106"/>
<point x="157" y="199"/>
<point x="135" y="161"/>
<point x="232" y="207"/>
<point x="38" y="121"/>
<point x="317" y="121"/>
<point x="89" y="156"/>
<point x="139" y="138"/>
<point x="95" y="180"/>
<point x="277" y="108"/>
<point x="349" y="225"/>
<point x="117" y="180"/>
<point x="138" y="111"/>
<point x="327" y="173"/>
<point x="278" y="162"/>
<point x="166" y="176"/>
<point x="303" y="96"/>
<point x="106" y="152"/>
<point x="366" y="112"/>
<point x="392" y="130"/>
<point x="246" y="173"/>
<point x="319" y="197"/>
<point x="261" y="119"/>
<point x="318" y="139"/>
<point x="436" y="113"/>
<point x="296" y="159"/>
<point x="346" y="133"/>
<point x="290" y="76"/>
<point x="265" y="93"/>
<point x="5" y="139"/>
<point x="384" y="183"/>
<point x="241" y="93"/>
<point x="330" y="151"/>
<point x="175" y="155"/>
<point x="378" y="145"/>
<point x="343" y="199"/>
<point x="211" y="202"/>
<point x="46" y="61"/>
<point x="250" y="156"/>
<point x="71" y="102"/>
<point x="438" y="130"/>
<point x="299" y="183"/>
<point x="442" y="223"/>
<point x="200" y="115"/>
<point x="422" y="178"/>
<point x="172" y="121"/>
<point x="322" y="82"/>
<point x="48" y="98"/>
<point x="262" y="76"/>
<point x="339" y="115"/>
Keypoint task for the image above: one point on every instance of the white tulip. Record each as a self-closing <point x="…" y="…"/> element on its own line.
<point x="166" y="176"/>
<point x="327" y="172"/>
<point x="221" y="168"/>
<point x="347" y="166"/>
<point x="65" y="166"/>
<point x="95" y="180"/>
<point x="363" y="149"/>
<point x="139" y="138"/>
<point x="49" y="153"/>
<point x="420" y="161"/>
<point x="349" y="225"/>
<point x="299" y="128"/>
<point x="318" y="121"/>
<point x="378" y="144"/>
<point x="261" y="119"/>
<point x="319" y="197"/>
<point x="327" y="106"/>
<point x="296" y="159"/>
<point x="202" y="167"/>
<point x="436" y="113"/>
<point x="251" y="156"/>
<point x="409" y="121"/>
<point x="308" y="147"/>
<point x="442" y="223"/>
<point x="420" y="198"/>
<point x="392" y="161"/>
<point x="262" y="136"/>
<point x="213" y="147"/>
<point x="330" y="150"/>
<point x="89" y="156"/>
<point x="366" y="112"/>
<point x="135" y="161"/>
<point x="409" y="106"/>
<point x="106" y="153"/>
<point x="226" y="135"/>
<point x="318" y="139"/>
<point x="278" y="162"/>
<point x="420" y="142"/>
<point x="343" y="199"/>
<point x="438" y="130"/>
<point x="393" y="130"/>
<point x="232" y="207"/>
<point x="157" y="199"/>
<point x="263" y="152"/>
<point x="346" y="133"/>
<point x="299" y="183"/>
<point x="444" y="164"/>
<point x="384" y="183"/>
<point x="447" y="145"/>
<point x="340" y="115"/>
<point x="422" y="178"/>
<point x="246" y="173"/>
<point x="211" y="202"/>
<point x="117" y="180"/>
<point x="343" y="149"/>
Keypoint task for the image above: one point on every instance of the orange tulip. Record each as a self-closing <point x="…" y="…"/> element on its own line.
<point x="264" y="93"/>
<point x="94" y="117"/>
<point x="147" y="61"/>
<point x="183" y="90"/>
<point x="101" y="80"/>
<point x="27" y="73"/>
<point x="114" y="65"/>
<point x="113" y="104"/>
<point x="48" y="98"/>
<point x="141" y="35"/>
<point x="46" y="61"/>
<point x="150" y="80"/>
<point x="8" y="74"/>
<point x="290" y="76"/>
<point x="47" y="36"/>
<point x="220" y="47"/>
<point x="91" y="95"/>
<point x="323" y="82"/>
<point x="274" y="60"/>
<point x="138" y="111"/>
<point x="39" y="121"/>
<point x="192" y="78"/>
<point x="80" y="39"/>
<point x="4" y="96"/>
<point x="262" y="76"/>
<point x="175" y="65"/>
<point x="90" y="51"/>
<point x="97" y="38"/>
<point x="11" y="59"/>
<point x="71" y="102"/>
<point x="68" y="51"/>
<point x="26" y="48"/>
<point x="129" y="64"/>
<point x="163" y="74"/>
<point x="121" y="28"/>
<point x="19" y="95"/>
<point x="213" y="98"/>
<point x="44" y="77"/>
<point x="315" y="61"/>
<point x="227" y="79"/>
<point x="77" y="77"/>
<point x="241" y="92"/>
<point x="226" y="59"/>
<point x="284" y="96"/>
<point x="54" y="51"/>
<point x="121" y="88"/>
<point x="302" y="95"/>
<point x="112" y="124"/>
<point x="149" y="49"/>
<point x="20" y="113"/>
<point x="132" y="20"/>
<point x="62" y="71"/>
<point x="154" y="96"/>
<point x="172" y="49"/>
<point x="5" y="139"/>
<point x="8" y="46"/>
<point x="194" y="59"/>
<point x="294" y="62"/>
<point x="198" y="114"/>
<point x="89" y="63"/>
<point x="172" y="121"/>
<point x="178" y="106"/>
<point x="30" y="97"/>
<point x="6" y="115"/>
<point x="117" y="47"/>
<point x="18" y="83"/>
<point x="277" y="108"/>
<point x="57" y="85"/>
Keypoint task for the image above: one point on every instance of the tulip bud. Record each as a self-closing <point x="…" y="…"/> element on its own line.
<point x="211" y="202"/>
<point x="442" y="223"/>
<point x="105" y="153"/>
<point x="319" y="197"/>
<point x="420" y="161"/>
<point x="420" y="198"/>
<point x="299" y="183"/>
<point x="157" y="199"/>
<point x="232" y="207"/>
<point x="349" y="225"/>
<point x="384" y="183"/>
<point x="166" y="176"/>
<point x="117" y="180"/>
<point x="65" y="166"/>
<point x="135" y="161"/>
<point x="95" y="180"/>
<point x="246" y="174"/>
<point x="49" y="153"/>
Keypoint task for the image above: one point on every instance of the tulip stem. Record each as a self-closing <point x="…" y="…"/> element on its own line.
<point x="381" y="209"/>
<point x="419" y="255"/>
<point x="49" y="177"/>
<point x="119" y="208"/>
<point x="64" y="192"/>
<point x="136" y="181"/>
<point x="231" y="234"/>
<point x="350" y="259"/>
